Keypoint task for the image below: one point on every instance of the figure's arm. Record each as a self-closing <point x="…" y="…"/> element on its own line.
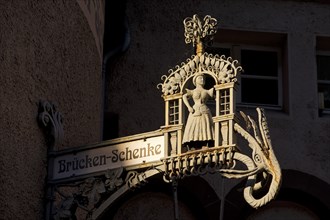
<point x="186" y="102"/>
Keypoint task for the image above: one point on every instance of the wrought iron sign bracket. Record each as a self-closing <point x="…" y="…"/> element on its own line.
<point x="192" y="141"/>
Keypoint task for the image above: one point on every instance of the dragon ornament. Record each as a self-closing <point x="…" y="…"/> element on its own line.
<point x="263" y="167"/>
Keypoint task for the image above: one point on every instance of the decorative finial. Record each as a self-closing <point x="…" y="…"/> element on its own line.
<point x="199" y="32"/>
<point x="51" y="120"/>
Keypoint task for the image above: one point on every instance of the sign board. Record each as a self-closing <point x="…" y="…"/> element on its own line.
<point x="109" y="157"/>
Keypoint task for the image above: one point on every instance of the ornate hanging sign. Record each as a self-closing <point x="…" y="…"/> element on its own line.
<point x="197" y="138"/>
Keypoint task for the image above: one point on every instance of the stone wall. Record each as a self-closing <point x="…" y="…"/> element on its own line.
<point x="47" y="52"/>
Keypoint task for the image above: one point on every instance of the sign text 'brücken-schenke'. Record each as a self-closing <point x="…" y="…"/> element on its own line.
<point x="109" y="157"/>
<point x="115" y="156"/>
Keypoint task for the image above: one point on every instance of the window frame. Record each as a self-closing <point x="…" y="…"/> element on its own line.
<point x="323" y="109"/>
<point x="235" y="50"/>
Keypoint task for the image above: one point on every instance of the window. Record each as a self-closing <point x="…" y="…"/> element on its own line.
<point x="323" y="73"/>
<point x="224" y="102"/>
<point x="174" y="112"/>
<point x="260" y="54"/>
<point x="261" y="81"/>
<point x="323" y="80"/>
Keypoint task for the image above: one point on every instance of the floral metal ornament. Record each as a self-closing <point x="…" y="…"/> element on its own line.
<point x="89" y="194"/>
<point x="51" y="120"/>
<point x="196" y="30"/>
<point x="222" y="69"/>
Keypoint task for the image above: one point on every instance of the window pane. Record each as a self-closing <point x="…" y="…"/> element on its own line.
<point x="323" y="67"/>
<point x="174" y="112"/>
<point x="325" y="89"/>
<point x="224" y="101"/>
<point x="259" y="91"/>
<point x="259" y="63"/>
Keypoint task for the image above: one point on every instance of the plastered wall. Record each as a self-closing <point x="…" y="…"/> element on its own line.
<point x="47" y="52"/>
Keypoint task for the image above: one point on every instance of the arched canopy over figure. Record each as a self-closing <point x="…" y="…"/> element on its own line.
<point x="199" y="126"/>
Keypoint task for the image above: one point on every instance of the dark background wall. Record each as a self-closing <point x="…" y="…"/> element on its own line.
<point x="47" y="52"/>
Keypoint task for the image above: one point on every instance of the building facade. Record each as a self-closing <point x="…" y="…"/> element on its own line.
<point x="107" y="88"/>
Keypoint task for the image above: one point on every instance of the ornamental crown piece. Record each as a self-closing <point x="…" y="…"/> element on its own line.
<point x="221" y="69"/>
<point x="199" y="32"/>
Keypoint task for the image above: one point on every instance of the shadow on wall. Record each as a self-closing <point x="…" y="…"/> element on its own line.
<point x="110" y="125"/>
<point x="197" y="200"/>
<point x="300" y="194"/>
